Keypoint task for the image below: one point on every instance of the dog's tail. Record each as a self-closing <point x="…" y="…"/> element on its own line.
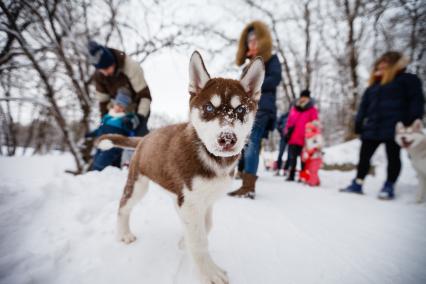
<point x="108" y="141"/>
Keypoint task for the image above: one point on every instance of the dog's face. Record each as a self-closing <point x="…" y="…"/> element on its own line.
<point x="222" y="111"/>
<point x="409" y="137"/>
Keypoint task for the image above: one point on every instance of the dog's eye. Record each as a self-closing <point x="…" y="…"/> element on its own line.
<point x="209" y="108"/>
<point x="240" y="109"/>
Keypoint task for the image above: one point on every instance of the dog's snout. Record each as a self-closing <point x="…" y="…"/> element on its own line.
<point x="227" y="140"/>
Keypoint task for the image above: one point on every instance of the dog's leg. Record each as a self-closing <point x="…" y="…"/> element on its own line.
<point x="209" y="224"/>
<point x="133" y="192"/>
<point x="421" y="192"/>
<point x="181" y="243"/>
<point x="194" y="222"/>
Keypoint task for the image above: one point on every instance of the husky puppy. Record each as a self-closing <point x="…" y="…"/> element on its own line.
<point x="413" y="140"/>
<point x="194" y="160"/>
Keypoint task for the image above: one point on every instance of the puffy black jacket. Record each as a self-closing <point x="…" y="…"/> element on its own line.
<point x="382" y="106"/>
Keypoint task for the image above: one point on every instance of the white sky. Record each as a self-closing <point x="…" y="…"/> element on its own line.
<point x="167" y="76"/>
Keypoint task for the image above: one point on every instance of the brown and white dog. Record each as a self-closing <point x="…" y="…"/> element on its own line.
<point x="194" y="160"/>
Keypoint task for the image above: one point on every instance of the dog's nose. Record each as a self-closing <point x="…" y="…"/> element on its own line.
<point x="227" y="140"/>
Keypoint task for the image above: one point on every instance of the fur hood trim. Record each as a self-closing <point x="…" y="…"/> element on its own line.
<point x="400" y="62"/>
<point x="264" y="38"/>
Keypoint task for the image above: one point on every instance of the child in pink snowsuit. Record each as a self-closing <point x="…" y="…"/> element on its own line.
<point x="301" y="113"/>
<point x="312" y="154"/>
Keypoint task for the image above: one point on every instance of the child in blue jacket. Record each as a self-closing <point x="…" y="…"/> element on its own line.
<point x="116" y="121"/>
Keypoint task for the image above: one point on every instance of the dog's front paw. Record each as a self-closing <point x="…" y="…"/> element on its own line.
<point x="127" y="238"/>
<point x="213" y="274"/>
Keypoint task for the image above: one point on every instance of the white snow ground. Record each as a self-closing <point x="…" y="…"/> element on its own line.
<point x="57" y="228"/>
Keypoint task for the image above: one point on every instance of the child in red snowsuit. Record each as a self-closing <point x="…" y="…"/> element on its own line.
<point x="312" y="154"/>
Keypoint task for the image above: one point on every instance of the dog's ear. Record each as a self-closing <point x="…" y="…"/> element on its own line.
<point x="399" y="126"/>
<point x="198" y="75"/>
<point x="252" y="78"/>
<point x="417" y="125"/>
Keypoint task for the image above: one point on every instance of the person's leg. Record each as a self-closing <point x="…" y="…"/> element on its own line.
<point x="299" y="157"/>
<point x="368" y="147"/>
<point x="314" y="167"/>
<point x="96" y="164"/>
<point x="287" y="162"/>
<point x="115" y="158"/>
<point x="294" y="152"/>
<point x="251" y="153"/>
<point x="241" y="162"/>
<point x="394" y="168"/>
<point x="394" y="160"/>
<point x="103" y="159"/>
<point x="251" y="159"/>
<point x="281" y="153"/>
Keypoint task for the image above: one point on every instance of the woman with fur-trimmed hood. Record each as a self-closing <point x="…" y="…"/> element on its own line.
<point x="392" y="95"/>
<point x="256" y="40"/>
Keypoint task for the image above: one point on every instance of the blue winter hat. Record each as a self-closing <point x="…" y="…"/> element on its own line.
<point x="123" y="97"/>
<point x="100" y="56"/>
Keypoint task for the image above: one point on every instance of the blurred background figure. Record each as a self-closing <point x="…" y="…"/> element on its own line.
<point x="256" y="40"/>
<point x="312" y="154"/>
<point x="301" y="113"/>
<point x="282" y="121"/>
<point x="393" y="95"/>
<point x="114" y="70"/>
<point x="117" y="121"/>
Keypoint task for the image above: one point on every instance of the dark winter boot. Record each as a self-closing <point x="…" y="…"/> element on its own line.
<point x="387" y="192"/>
<point x="247" y="190"/>
<point x="355" y="187"/>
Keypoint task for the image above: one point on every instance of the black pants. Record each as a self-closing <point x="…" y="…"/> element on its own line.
<point x="368" y="147"/>
<point x="294" y="151"/>
<point x="283" y="145"/>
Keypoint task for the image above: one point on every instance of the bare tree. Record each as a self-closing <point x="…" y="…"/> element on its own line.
<point x="48" y="38"/>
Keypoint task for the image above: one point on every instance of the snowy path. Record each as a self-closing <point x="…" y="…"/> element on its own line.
<point x="56" y="228"/>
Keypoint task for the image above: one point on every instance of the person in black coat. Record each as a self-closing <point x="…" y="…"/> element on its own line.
<point x="393" y="95"/>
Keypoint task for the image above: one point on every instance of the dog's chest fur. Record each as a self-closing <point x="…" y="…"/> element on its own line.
<point x="175" y="158"/>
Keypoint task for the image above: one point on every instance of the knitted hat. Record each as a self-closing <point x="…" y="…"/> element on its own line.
<point x="123" y="97"/>
<point x="305" y="93"/>
<point x="100" y="56"/>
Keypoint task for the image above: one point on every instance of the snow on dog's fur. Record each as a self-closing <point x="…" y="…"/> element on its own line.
<point x="413" y="140"/>
<point x="194" y="160"/>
